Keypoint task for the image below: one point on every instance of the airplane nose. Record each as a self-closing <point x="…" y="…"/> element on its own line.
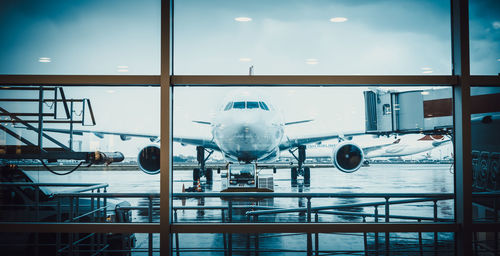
<point x="248" y="133"/>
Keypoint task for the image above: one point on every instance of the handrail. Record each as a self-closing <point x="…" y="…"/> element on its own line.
<point x="266" y="194"/>
<point x="221" y="207"/>
<point x="362" y="214"/>
<point x="330" y="207"/>
<point x="90" y="188"/>
<point x="311" y="195"/>
<point x="49" y="184"/>
<point x="107" y="195"/>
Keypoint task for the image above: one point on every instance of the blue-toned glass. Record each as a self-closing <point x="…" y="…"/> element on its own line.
<point x="484" y="23"/>
<point x="80" y="37"/>
<point x="312" y="37"/>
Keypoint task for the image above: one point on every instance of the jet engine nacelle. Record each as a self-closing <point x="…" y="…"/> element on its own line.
<point x="347" y="156"/>
<point x="149" y="159"/>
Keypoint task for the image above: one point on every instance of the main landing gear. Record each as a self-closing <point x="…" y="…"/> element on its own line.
<point x="202" y="171"/>
<point x="300" y="169"/>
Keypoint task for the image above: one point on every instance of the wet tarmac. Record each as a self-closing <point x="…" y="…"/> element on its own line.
<point x="401" y="178"/>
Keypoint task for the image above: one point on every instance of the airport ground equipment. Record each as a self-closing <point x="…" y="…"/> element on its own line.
<point x="43" y="109"/>
<point x="245" y="178"/>
<point x="24" y="200"/>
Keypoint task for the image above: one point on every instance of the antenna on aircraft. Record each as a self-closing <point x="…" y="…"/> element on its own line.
<point x="250" y="71"/>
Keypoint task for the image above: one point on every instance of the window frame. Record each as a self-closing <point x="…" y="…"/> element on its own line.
<point x="460" y="80"/>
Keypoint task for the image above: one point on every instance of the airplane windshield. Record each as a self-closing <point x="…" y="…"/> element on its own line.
<point x="252" y="104"/>
<point x="263" y="106"/>
<point x="228" y="106"/>
<point x="239" y="105"/>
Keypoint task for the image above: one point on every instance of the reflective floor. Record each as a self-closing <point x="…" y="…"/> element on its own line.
<point x="377" y="178"/>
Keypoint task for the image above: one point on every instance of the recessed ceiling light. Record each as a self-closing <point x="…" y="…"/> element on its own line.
<point x="245" y="59"/>
<point x="243" y="19"/>
<point x="424" y="93"/>
<point x="427" y="72"/>
<point x="110" y="91"/>
<point x="426" y="68"/>
<point x="312" y="61"/>
<point x="44" y="59"/>
<point x="122" y="68"/>
<point x="338" y="19"/>
<point x="496" y="24"/>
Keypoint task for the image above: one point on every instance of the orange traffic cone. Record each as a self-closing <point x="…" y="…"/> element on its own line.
<point x="198" y="187"/>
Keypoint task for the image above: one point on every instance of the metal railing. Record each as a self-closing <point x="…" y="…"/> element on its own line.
<point x="309" y="210"/>
<point x="98" y="195"/>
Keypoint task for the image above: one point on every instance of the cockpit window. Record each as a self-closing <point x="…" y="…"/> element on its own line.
<point x="228" y="106"/>
<point x="252" y="104"/>
<point x="239" y="104"/>
<point x="263" y="106"/>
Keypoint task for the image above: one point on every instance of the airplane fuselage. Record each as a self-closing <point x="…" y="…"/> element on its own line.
<point x="248" y="134"/>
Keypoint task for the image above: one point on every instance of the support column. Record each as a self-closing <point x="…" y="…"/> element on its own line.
<point x="462" y="124"/>
<point x="165" y="132"/>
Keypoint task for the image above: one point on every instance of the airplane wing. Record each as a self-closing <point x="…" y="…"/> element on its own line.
<point x="289" y="143"/>
<point x="368" y="149"/>
<point x="207" y="143"/>
<point x="327" y="152"/>
<point x="299" y="122"/>
<point x="123" y="135"/>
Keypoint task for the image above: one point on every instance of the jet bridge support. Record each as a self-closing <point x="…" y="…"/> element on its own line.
<point x="28" y="127"/>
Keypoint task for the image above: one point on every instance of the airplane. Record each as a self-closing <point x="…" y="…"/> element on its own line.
<point x="248" y="129"/>
<point x="406" y="145"/>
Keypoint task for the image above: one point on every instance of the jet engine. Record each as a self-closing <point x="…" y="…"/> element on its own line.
<point x="347" y="156"/>
<point x="149" y="159"/>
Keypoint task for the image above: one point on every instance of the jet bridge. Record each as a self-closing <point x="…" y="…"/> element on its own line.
<point x="428" y="111"/>
<point x="49" y="107"/>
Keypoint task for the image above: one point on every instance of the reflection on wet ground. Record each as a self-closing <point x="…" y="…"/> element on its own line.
<point x="374" y="179"/>
<point x="426" y="178"/>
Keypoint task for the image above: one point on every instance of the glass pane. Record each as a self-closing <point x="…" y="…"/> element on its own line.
<point x="82" y="38"/>
<point x="88" y="176"/>
<point x="312" y="37"/>
<point x="485" y="124"/>
<point x="315" y="244"/>
<point x="484" y="18"/>
<point x="341" y="149"/>
<point x="79" y="243"/>
<point x="485" y="243"/>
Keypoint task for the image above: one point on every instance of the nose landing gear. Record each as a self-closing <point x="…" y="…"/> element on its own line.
<point x="202" y="171"/>
<point x="300" y="170"/>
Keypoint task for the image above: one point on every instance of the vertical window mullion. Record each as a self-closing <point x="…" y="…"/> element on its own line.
<point x="462" y="124"/>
